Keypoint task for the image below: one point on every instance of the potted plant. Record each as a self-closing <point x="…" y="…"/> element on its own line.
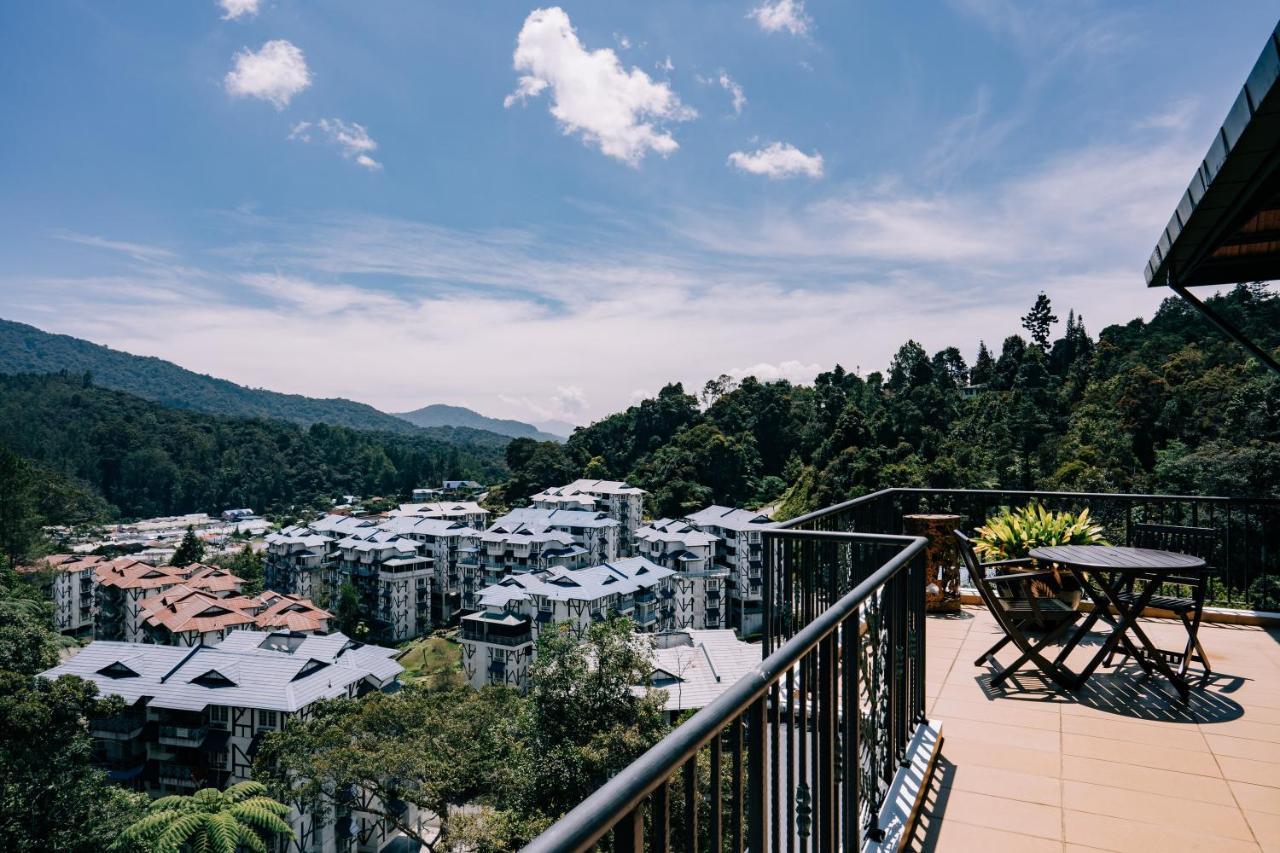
<point x="1012" y="533"/>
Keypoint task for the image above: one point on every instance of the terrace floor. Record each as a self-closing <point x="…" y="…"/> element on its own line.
<point x="1121" y="765"/>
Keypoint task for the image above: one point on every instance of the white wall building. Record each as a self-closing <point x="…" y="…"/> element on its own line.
<point x="740" y="552"/>
<point x="595" y="531"/>
<point x="195" y="715"/>
<point x="622" y="502"/>
<point x="392" y="578"/>
<point x="694" y="667"/>
<point x="679" y="546"/>
<point x="71" y="585"/>
<point x="500" y="640"/>
<point x="446" y="541"/>
<point x="468" y="512"/>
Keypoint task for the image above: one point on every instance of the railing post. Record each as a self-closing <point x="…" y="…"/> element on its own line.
<point x="628" y="834"/>
<point x="757" y="788"/>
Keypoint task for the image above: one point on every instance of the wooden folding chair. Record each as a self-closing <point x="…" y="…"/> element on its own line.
<point x="1197" y="541"/>
<point x="1005" y="588"/>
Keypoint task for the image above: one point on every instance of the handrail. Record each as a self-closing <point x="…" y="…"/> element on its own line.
<point x="591" y="819"/>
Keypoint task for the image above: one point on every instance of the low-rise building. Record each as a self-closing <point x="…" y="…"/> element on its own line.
<point x="71" y="584"/>
<point x="514" y="548"/>
<point x="499" y="641"/>
<point x="620" y="501"/>
<point x="122" y="585"/>
<point x="186" y="615"/>
<point x="682" y="547"/>
<point x="694" y="667"/>
<point x="740" y="551"/>
<point x="195" y="716"/>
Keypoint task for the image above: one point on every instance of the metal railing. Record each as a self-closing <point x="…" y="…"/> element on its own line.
<point x="1245" y="568"/>
<point x="800" y="753"/>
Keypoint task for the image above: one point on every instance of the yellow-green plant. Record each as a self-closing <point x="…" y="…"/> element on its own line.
<point x="1014" y="532"/>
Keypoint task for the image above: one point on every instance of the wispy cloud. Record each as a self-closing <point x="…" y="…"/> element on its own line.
<point x="234" y="9"/>
<point x="352" y="139"/>
<point x="592" y="94"/>
<point x="775" y="16"/>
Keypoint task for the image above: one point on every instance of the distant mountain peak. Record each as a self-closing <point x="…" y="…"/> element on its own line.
<point x="444" y="415"/>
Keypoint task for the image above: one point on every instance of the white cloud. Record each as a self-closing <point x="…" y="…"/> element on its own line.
<point x="735" y="92"/>
<point x="665" y="65"/>
<point x="351" y="137"/>
<point x="779" y="160"/>
<point x="591" y="93"/>
<point x="275" y="73"/>
<point x="624" y="43"/>
<point x="791" y="370"/>
<point x="233" y="9"/>
<point x="777" y="15"/>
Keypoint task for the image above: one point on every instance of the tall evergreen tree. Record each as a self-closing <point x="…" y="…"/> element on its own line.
<point x="190" y="549"/>
<point x="1039" y="320"/>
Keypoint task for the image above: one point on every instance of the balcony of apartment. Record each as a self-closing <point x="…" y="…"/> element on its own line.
<point x="172" y="775"/>
<point x="505" y="630"/>
<point x="646" y="596"/>
<point x="122" y="727"/>
<point x="183" y="735"/>
<point x="869" y="726"/>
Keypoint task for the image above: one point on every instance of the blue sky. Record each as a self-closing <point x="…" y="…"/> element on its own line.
<point x="543" y="212"/>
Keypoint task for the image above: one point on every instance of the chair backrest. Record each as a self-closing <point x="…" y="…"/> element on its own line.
<point x="1200" y="542"/>
<point x="977" y="574"/>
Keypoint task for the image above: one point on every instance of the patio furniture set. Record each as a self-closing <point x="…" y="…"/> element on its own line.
<point x="1164" y="570"/>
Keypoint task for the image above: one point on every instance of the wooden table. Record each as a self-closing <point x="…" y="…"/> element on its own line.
<point x="1102" y="571"/>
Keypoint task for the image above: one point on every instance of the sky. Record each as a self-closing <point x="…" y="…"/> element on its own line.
<point x="548" y="212"/>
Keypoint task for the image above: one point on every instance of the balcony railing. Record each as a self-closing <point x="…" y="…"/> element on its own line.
<point x="183" y="735"/>
<point x="1245" y="570"/>
<point x="124" y="727"/>
<point x="801" y="753"/>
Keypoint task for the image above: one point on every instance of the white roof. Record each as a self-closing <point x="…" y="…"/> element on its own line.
<point x="339" y="524"/>
<point x="668" y="530"/>
<point x="592" y="487"/>
<point x="730" y="518"/>
<point x="558" y="518"/>
<point x="249" y="669"/>
<point x="440" y="509"/>
<point x="695" y="666"/>
<point x="620" y="577"/>
<point x="416" y="525"/>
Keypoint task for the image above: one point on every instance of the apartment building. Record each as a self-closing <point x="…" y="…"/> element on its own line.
<point x="121" y="587"/>
<point x="622" y="502"/>
<point x="499" y="641"/>
<point x="678" y="545"/>
<point x="468" y="512"/>
<point x="393" y="580"/>
<point x="195" y="716"/>
<point x="514" y="548"/>
<point x="70" y="582"/>
<point x="297" y="561"/>
<point x="740" y="552"/>
<point x="445" y="541"/>
<point x="594" y="531"/>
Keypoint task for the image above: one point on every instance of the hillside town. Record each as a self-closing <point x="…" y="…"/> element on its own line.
<point x="206" y="667"/>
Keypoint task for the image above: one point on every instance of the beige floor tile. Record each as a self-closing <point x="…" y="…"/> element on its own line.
<point x="1207" y="818"/>
<point x="1244" y="770"/>
<point x="957" y="837"/>
<point x="1004" y="735"/>
<point x="1004" y="814"/>
<point x="1266" y="828"/>
<point x="1003" y="711"/>
<point x="1134" y="778"/>
<point x="1239" y="747"/>
<point x="1135" y="731"/>
<point x="1034" y="761"/>
<point x="1106" y="749"/>
<point x="999" y="782"/>
<point x="1256" y="798"/>
<point x="1129" y="836"/>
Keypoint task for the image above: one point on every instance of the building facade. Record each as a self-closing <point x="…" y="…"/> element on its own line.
<point x="677" y="545"/>
<point x="620" y="501"/>
<point x="499" y="641"/>
<point x="70" y="582"/>
<point x="392" y="579"/>
<point x="195" y="716"/>
<point x="740" y="552"/>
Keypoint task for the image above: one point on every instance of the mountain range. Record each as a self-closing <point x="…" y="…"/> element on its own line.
<point x="27" y="349"/>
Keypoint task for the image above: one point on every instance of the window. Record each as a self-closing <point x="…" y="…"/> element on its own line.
<point x="219" y="716"/>
<point x="266" y="719"/>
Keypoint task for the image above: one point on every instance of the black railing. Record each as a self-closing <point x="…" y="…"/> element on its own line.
<point x="1245" y="566"/>
<point x="800" y="753"/>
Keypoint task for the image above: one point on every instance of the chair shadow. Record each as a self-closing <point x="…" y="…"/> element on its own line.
<point x="1127" y="691"/>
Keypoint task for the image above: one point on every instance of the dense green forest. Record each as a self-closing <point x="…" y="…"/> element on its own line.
<point x="93" y="450"/>
<point x="26" y="349"/>
<point x="1169" y="405"/>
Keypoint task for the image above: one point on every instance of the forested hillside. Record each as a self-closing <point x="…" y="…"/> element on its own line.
<point x="439" y="414"/>
<point x="26" y="349"/>
<point x="144" y="459"/>
<point x="1167" y="405"/>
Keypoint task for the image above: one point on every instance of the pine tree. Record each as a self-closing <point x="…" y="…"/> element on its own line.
<point x="190" y="549"/>
<point x="984" y="366"/>
<point x="1038" y="320"/>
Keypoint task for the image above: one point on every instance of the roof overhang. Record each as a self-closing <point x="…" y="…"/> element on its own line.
<point x="1226" y="228"/>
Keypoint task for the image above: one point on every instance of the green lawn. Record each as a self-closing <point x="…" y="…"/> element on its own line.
<point x="431" y="656"/>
